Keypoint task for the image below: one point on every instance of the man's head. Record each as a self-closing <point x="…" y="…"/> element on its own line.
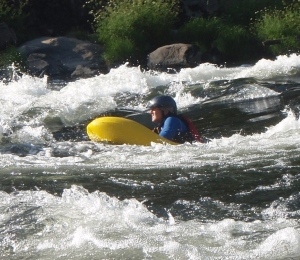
<point x="162" y="106"/>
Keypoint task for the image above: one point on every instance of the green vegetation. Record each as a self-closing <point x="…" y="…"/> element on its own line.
<point x="236" y="43"/>
<point x="35" y="18"/>
<point x="10" y="12"/>
<point x="14" y="14"/>
<point x="9" y="56"/>
<point x="282" y="25"/>
<point x="200" y="31"/>
<point x="244" y="12"/>
<point x="232" y="40"/>
<point x="131" y="29"/>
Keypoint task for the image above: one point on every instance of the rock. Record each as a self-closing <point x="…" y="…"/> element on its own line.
<point x="62" y="57"/>
<point x="7" y="36"/>
<point x="82" y="72"/>
<point x="174" y="56"/>
<point x="37" y="63"/>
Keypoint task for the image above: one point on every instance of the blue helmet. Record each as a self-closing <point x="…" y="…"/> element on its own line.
<point x="163" y="102"/>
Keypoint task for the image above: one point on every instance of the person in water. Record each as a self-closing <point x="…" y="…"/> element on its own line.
<point x="171" y="126"/>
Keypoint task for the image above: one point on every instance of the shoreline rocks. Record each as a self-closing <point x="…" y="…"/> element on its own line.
<point x="70" y="58"/>
<point x="63" y="57"/>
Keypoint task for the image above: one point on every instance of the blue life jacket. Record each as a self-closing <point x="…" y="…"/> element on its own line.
<point x="175" y="129"/>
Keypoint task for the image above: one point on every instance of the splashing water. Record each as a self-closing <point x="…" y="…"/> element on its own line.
<point x="235" y="197"/>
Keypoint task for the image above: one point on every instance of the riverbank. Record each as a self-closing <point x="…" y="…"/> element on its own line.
<point x="218" y="33"/>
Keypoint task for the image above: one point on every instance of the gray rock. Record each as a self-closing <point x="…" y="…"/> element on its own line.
<point x="82" y="72"/>
<point x="61" y="56"/>
<point x="37" y="62"/>
<point x="174" y="56"/>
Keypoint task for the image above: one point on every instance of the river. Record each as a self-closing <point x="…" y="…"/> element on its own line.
<point x="234" y="197"/>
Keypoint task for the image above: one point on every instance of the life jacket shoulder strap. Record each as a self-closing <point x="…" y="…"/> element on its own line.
<point x="192" y="128"/>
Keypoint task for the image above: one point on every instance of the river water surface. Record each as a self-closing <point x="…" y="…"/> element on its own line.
<point x="237" y="196"/>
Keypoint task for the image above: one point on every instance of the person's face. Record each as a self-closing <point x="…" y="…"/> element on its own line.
<point x="156" y="114"/>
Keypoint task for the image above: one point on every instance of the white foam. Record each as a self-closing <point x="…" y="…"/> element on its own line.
<point x="284" y="242"/>
<point x="86" y="98"/>
<point x="84" y="223"/>
<point x="284" y="65"/>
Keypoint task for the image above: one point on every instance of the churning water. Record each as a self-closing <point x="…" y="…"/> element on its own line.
<point x="234" y="197"/>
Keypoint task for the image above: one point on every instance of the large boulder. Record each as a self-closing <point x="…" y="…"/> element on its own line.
<point x="174" y="56"/>
<point x="7" y="36"/>
<point x="61" y="57"/>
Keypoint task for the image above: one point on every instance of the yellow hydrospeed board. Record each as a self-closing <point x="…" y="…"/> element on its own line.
<point x="119" y="130"/>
